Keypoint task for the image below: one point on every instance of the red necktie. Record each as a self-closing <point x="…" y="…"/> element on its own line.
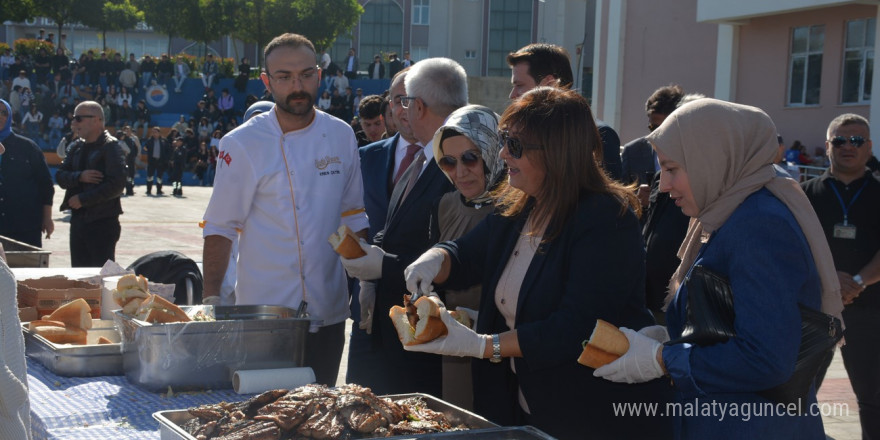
<point x="411" y="151"/>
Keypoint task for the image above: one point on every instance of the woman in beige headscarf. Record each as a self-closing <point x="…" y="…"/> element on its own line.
<point x="752" y="224"/>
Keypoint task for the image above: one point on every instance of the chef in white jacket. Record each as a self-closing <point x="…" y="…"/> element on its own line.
<point x="286" y="180"/>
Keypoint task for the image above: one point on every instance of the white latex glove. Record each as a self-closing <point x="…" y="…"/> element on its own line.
<point x="461" y="341"/>
<point x="213" y="300"/>
<point x="656" y="332"/>
<point x="421" y="273"/>
<point x="367" y="299"/>
<point x="368" y="267"/>
<point x="639" y="364"/>
<point x="473" y="314"/>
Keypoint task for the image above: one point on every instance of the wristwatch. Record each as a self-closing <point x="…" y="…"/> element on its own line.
<point x="858" y="279"/>
<point x="496" y="349"/>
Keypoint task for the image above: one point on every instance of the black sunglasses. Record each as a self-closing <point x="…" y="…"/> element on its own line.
<point x="515" y="146"/>
<point x="839" y="141"/>
<point x="79" y="118"/>
<point x="469" y="159"/>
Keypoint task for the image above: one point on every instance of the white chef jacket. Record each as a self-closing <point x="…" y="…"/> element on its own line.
<point x="252" y="194"/>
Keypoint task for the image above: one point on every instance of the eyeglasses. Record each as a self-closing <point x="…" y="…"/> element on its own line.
<point x="470" y="159"/>
<point x="79" y="118"/>
<point x="406" y="101"/>
<point x="514" y="146"/>
<point x="839" y="141"/>
<point x="286" y="77"/>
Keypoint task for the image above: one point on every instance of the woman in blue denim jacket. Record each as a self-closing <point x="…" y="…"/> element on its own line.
<point x="754" y="226"/>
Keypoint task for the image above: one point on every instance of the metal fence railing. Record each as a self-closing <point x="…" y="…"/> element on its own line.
<point x="809" y="172"/>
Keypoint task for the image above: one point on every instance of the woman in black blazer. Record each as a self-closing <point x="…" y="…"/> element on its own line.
<point x="564" y="250"/>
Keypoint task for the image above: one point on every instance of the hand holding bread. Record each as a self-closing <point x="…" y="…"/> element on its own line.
<point x="346" y="243"/>
<point x="640" y="363"/>
<point x="606" y="344"/>
<point x="459" y="340"/>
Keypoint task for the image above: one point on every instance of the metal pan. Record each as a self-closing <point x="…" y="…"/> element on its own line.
<point x="170" y="422"/>
<point x="79" y="360"/>
<point x="204" y="354"/>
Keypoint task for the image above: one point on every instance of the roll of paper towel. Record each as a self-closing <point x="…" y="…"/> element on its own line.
<point x="257" y="381"/>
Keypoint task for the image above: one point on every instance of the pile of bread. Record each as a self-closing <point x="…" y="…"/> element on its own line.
<point x="68" y="324"/>
<point x="133" y="295"/>
<point x="419" y="322"/>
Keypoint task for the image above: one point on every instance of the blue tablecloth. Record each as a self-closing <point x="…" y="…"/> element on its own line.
<point x="102" y="408"/>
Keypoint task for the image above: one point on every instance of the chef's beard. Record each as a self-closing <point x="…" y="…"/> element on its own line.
<point x="299" y="108"/>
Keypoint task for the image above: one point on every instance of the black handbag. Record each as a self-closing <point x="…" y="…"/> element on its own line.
<point x="710" y="317"/>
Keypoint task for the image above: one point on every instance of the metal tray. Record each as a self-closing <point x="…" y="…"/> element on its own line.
<point x="79" y="360"/>
<point x="205" y="354"/>
<point x="170" y="422"/>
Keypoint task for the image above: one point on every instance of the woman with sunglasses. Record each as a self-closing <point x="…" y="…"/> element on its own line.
<point x="467" y="151"/>
<point x="754" y="226"/>
<point x="563" y="250"/>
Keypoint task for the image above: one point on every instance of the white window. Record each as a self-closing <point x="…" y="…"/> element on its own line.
<point x="858" y="62"/>
<point x="421" y="10"/>
<point x="805" y="65"/>
<point x="470" y="54"/>
<point x="418" y="53"/>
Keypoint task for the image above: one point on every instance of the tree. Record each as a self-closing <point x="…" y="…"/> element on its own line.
<point x="66" y="12"/>
<point x="214" y="18"/>
<point x="169" y="17"/>
<point x="17" y="10"/>
<point x="321" y="21"/>
<point x="115" y="15"/>
<point x="324" y="20"/>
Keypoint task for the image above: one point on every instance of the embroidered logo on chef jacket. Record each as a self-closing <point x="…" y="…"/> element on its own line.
<point x="322" y="165"/>
<point x="223" y="156"/>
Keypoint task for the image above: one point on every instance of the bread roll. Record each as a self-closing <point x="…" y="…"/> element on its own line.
<point x="62" y="335"/>
<point x="608" y="338"/>
<point x="44" y="323"/>
<point x="405" y="332"/>
<point x="130" y="287"/>
<point x="131" y="307"/>
<point x="76" y="313"/>
<point x="606" y="344"/>
<point x="129" y="281"/>
<point x="346" y="243"/>
<point x="429" y="325"/>
<point x="156" y="309"/>
<point x="595" y="358"/>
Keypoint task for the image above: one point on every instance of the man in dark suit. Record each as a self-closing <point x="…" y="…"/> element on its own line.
<point x="542" y="64"/>
<point x="381" y="162"/>
<point x="435" y="88"/>
<point x="158" y="155"/>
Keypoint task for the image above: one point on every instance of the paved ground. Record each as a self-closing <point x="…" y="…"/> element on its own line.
<point x="152" y="223"/>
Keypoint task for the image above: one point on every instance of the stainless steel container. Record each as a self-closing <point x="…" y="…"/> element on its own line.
<point x="204" y="354"/>
<point x="170" y="423"/>
<point x="79" y="360"/>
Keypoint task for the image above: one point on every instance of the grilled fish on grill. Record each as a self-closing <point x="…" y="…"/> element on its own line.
<point x="315" y="412"/>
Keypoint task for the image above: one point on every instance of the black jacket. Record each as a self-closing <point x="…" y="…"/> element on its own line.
<point x="99" y="200"/>
<point x="593" y="270"/>
<point x="164" y="150"/>
<point x="25" y="186"/>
